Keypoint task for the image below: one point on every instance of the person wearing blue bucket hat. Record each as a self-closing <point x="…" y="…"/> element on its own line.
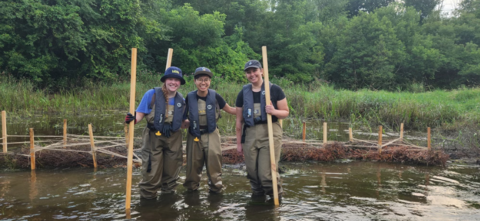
<point x="203" y="139"/>
<point x="162" y="157"/>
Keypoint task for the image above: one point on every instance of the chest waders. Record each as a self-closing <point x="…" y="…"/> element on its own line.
<point x="256" y="144"/>
<point x="203" y="142"/>
<point x="163" y="154"/>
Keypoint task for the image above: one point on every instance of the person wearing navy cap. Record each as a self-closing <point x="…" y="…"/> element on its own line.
<point x="162" y="157"/>
<point x="252" y="139"/>
<point x="203" y="139"/>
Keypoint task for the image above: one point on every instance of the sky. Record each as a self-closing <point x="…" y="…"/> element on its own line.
<point x="450" y="5"/>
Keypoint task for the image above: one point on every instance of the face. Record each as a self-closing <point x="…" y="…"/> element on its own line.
<point x="172" y="84"/>
<point x="254" y="74"/>
<point x="203" y="83"/>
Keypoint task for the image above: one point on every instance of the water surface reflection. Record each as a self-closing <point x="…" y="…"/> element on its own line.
<point x="313" y="191"/>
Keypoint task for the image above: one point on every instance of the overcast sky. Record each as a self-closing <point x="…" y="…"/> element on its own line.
<point x="450" y="5"/>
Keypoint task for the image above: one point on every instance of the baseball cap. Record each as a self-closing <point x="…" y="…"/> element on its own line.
<point x="252" y="64"/>
<point x="202" y="71"/>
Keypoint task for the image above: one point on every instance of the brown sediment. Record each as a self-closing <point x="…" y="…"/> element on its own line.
<point x="294" y="152"/>
<point x="80" y="156"/>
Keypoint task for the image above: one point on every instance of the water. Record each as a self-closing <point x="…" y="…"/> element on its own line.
<point x="351" y="190"/>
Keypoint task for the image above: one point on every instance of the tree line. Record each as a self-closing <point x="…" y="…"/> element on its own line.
<point x="353" y="44"/>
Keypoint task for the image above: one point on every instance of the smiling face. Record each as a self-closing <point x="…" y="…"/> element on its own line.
<point x="254" y="75"/>
<point x="172" y="84"/>
<point x="202" y="83"/>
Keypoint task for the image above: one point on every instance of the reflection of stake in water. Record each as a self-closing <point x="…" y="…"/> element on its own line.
<point x="33" y="186"/>
<point x="379" y="181"/>
<point x="323" y="183"/>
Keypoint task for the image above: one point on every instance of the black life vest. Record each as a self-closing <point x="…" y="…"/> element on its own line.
<point x="160" y="107"/>
<point x="248" y="104"/>
<point x="212" y="112"/>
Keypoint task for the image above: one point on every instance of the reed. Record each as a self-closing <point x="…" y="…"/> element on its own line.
<point x="448" y="110"/>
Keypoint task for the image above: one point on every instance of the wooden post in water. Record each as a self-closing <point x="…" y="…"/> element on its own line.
<point x="273" y="161"/>
<point x="92" y="144"/>
<point x="64" y="133"/>
<point x="429" y="145"/>
<point x="304" y="131"/>
<point x="4" y="131"/>
<point x="401" y="132"/>
<point x="350" y="134"/>
<point x="32" y="150"/>
<point x="324" y="133"/>
<point x="380" y="139"/>
<point x="131" y="127"/>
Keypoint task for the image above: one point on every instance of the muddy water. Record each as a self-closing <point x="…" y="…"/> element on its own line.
<point x="313" y="191"/>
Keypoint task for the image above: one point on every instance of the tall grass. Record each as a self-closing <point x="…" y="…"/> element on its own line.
<point x="449" y="110"/>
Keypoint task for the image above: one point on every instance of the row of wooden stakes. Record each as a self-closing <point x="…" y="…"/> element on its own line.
<point x="350" y="135"/>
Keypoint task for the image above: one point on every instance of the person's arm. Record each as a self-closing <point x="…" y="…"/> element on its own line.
<point x="281" y="112"/>
<point x="238" y="129"/>
<point x="230" y="110"/>
<point x="139" y="116"/>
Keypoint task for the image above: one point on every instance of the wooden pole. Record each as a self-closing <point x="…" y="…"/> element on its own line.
<point x="350" y="134"/>
<point x="401" y="132"/>
<point x="32" y="150"/>
<point x="131" y="131"/>
<point x="4" y="131"/>
<point x="169" y="58"/>
<point x="270" y="128"/>
<point x="64" y="133"/>
<point x="92" y="144"/>
<point x="125" y="129"/>
<point x="380" y="139"/>
<point x="324" y="133"/>
<point x="429" y="145"/>
<point x="304" y="131"/>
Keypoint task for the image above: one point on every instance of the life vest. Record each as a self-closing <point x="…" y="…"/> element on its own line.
<point x="201" y="113"/>
<point x="253" y="110"/>
<point x="160" y="107"/>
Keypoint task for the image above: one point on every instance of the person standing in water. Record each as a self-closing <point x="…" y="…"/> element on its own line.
<point x="252" y="139"/>
<point x="203" y="139"/>
<point x="162" y="157"/>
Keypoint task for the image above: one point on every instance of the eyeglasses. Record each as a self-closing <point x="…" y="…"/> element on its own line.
<point x="205" y="80"/>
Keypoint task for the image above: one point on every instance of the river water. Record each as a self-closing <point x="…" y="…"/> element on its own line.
<point x="347" y="190"/>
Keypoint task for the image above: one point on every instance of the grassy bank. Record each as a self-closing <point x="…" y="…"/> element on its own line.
<point x="452" y="113"/>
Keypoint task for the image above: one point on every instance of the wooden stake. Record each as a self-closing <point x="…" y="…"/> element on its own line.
<point x="64" y="133"/>
<point x="350" y="134"/>
<point x="380" y="139"/>
<point x="428" y="139"/>
<point x="270" y="128"/>
<point x="92" y="144"/>
<point x="4" y="131"/>
<point x="401" y="132"/>
<point x="125" y="129"/>
<point x="169" y="58"/>
<point x="131" y="128"/>
<point x="32" y="150"/>
<point x="304" y="131"/>
<point x="324" y="133"/>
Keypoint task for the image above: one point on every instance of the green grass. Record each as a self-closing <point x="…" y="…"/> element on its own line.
<point x="448" y="110"/>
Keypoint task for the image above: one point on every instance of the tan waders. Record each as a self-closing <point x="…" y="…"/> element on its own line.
<point x="162" y="159"/>
<point x="204" y="150"/>
<point x="257" y="158"/>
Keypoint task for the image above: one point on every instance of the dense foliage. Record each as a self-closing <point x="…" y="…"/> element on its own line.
<point x="354" y="44"/>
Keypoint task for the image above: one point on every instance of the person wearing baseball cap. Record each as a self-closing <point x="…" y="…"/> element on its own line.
<point x="252" y="139"/>
<point x="203" y="139"/>
<point x="162" y="157"/>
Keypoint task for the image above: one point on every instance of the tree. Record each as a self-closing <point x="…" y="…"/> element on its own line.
<point x="355" y="6"/>
<point x="423" y="6"/>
